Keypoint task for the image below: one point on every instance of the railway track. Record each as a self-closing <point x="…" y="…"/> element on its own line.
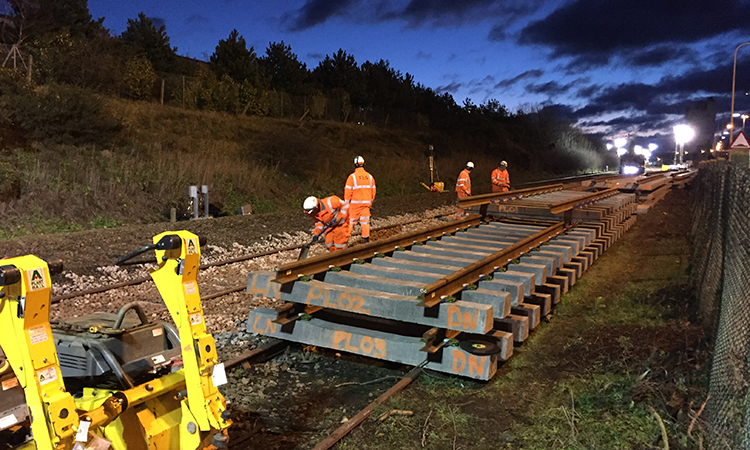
<point x="229" y="261"/>
<point x="458" y="295"/>
<point x="521" y="306"/>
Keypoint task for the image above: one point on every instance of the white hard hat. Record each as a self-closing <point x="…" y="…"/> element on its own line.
<point x="470" y="165"/>
<point x="503" y="163"/>
<point x="310" y="204"/>
<point x="359" y="161"/>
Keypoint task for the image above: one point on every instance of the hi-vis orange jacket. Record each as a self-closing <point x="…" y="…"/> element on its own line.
<point x="500" y="180"/>
<point x="463" y="184"/>
<point x="328" y="208"/>
<point x="360" y="188"/>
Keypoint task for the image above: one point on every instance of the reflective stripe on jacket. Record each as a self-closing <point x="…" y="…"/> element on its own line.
<point x="500" y="177"/>
<point x="328" y="208"/>
<point x="463" y="184"/>
<point x="360" y="187"/>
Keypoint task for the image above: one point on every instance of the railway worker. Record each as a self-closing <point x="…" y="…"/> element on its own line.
<point x="359" y="193"/>
<point x="331" y="216"/>
<point x="500" y="178"/>
<point x="463" y="184"/>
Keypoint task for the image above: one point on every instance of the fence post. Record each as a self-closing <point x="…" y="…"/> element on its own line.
<point x="161" y="97"/>
<point x="31" y="63"/>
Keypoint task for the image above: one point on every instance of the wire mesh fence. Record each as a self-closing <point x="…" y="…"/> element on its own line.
<point x="720" y="272"/>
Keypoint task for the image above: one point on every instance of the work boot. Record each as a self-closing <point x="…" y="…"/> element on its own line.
<point x="367" y="239"/>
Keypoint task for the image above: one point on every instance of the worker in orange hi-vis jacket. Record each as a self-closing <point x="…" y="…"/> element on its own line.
<point x="500" y="178"/>
<point x="463" y="184"/>
<point x="331" y="216"/>
<point x="359" y="193"/>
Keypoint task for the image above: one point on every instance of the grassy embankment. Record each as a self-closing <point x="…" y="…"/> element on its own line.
<point x="158" y="151"/>
<point x="621" y="349"/>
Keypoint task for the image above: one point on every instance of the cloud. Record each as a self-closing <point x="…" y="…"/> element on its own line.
<point x="509" y="82"/>
<point x="423" y="55"/>
<point x="415" y="13"/>
<point x="451" y="13"/>
<point x="483" y="85"/>
<point x="316" y="12"/>
<point x="660" y="54"/>
<point x="669" y="95"/>
<point x="450" y="88"/>
<point x="553" y="88"/>
<point x="593" y="30"/>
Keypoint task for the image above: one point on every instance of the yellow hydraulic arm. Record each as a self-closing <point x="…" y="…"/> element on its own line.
<point x="204" y="409"/>
<point x="26" y="338"/>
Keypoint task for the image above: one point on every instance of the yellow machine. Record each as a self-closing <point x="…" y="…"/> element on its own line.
<point x="182" y="409"/>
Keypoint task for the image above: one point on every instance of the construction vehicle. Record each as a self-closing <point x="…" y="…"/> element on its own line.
<point x="137" y="384"/>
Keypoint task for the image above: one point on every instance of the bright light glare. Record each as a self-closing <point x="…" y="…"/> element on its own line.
<point x="621" y="151"/>
<point x="653" y="146"/>
<point x="610" y="146"/>
<point x="621" y="142"/>
<point x="630" y="170"/>
<point x="683" y="133"/>
<point x="639" y="150"/>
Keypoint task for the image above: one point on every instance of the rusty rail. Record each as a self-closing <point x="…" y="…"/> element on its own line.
<point x="484" y="199"/>
<point x="321" y="263"/>
<point x="438" y="291"/>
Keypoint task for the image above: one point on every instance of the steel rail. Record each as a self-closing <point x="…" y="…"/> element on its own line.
<point x="570" y="179"/>
<point x="140" y="280"/>
<point x="321" y="263"/>
<point x="567" y="205"/>
<point x="344" y="429"/>
<point x="484" y="199"/>
<point x="439" y="290"/>
<point x="650" y="178"/>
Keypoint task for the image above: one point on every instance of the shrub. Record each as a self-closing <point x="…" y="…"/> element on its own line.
<point x="59" y="114"/>
<point x="140" y="77"/>
<point x="96" y="62"/>
<point x="317" y="105"/>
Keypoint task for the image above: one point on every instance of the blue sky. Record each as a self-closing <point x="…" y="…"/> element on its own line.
<point x="615" y="66"/>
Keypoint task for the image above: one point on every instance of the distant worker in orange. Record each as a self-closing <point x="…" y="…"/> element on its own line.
<point x="331" y="216"/>
<point x="463" y="184"/>
<point x="359" y="194"/>
<point x="500" y="178"/>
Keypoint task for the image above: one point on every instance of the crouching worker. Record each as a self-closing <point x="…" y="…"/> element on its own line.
<point x="331" y="216"/>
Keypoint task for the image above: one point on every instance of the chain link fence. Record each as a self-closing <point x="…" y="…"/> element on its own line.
<point x="720" y="273"/>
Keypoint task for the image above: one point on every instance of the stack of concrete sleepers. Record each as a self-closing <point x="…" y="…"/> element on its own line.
<point x="372" y="307"/>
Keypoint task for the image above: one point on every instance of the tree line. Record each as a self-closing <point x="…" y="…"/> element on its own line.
<point x="69" y="47"/>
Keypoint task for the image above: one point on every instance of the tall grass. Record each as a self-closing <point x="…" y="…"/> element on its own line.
<point x="145" y="168"/>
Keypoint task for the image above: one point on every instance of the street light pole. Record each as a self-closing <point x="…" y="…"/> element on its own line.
<point x="734" y="76"/>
